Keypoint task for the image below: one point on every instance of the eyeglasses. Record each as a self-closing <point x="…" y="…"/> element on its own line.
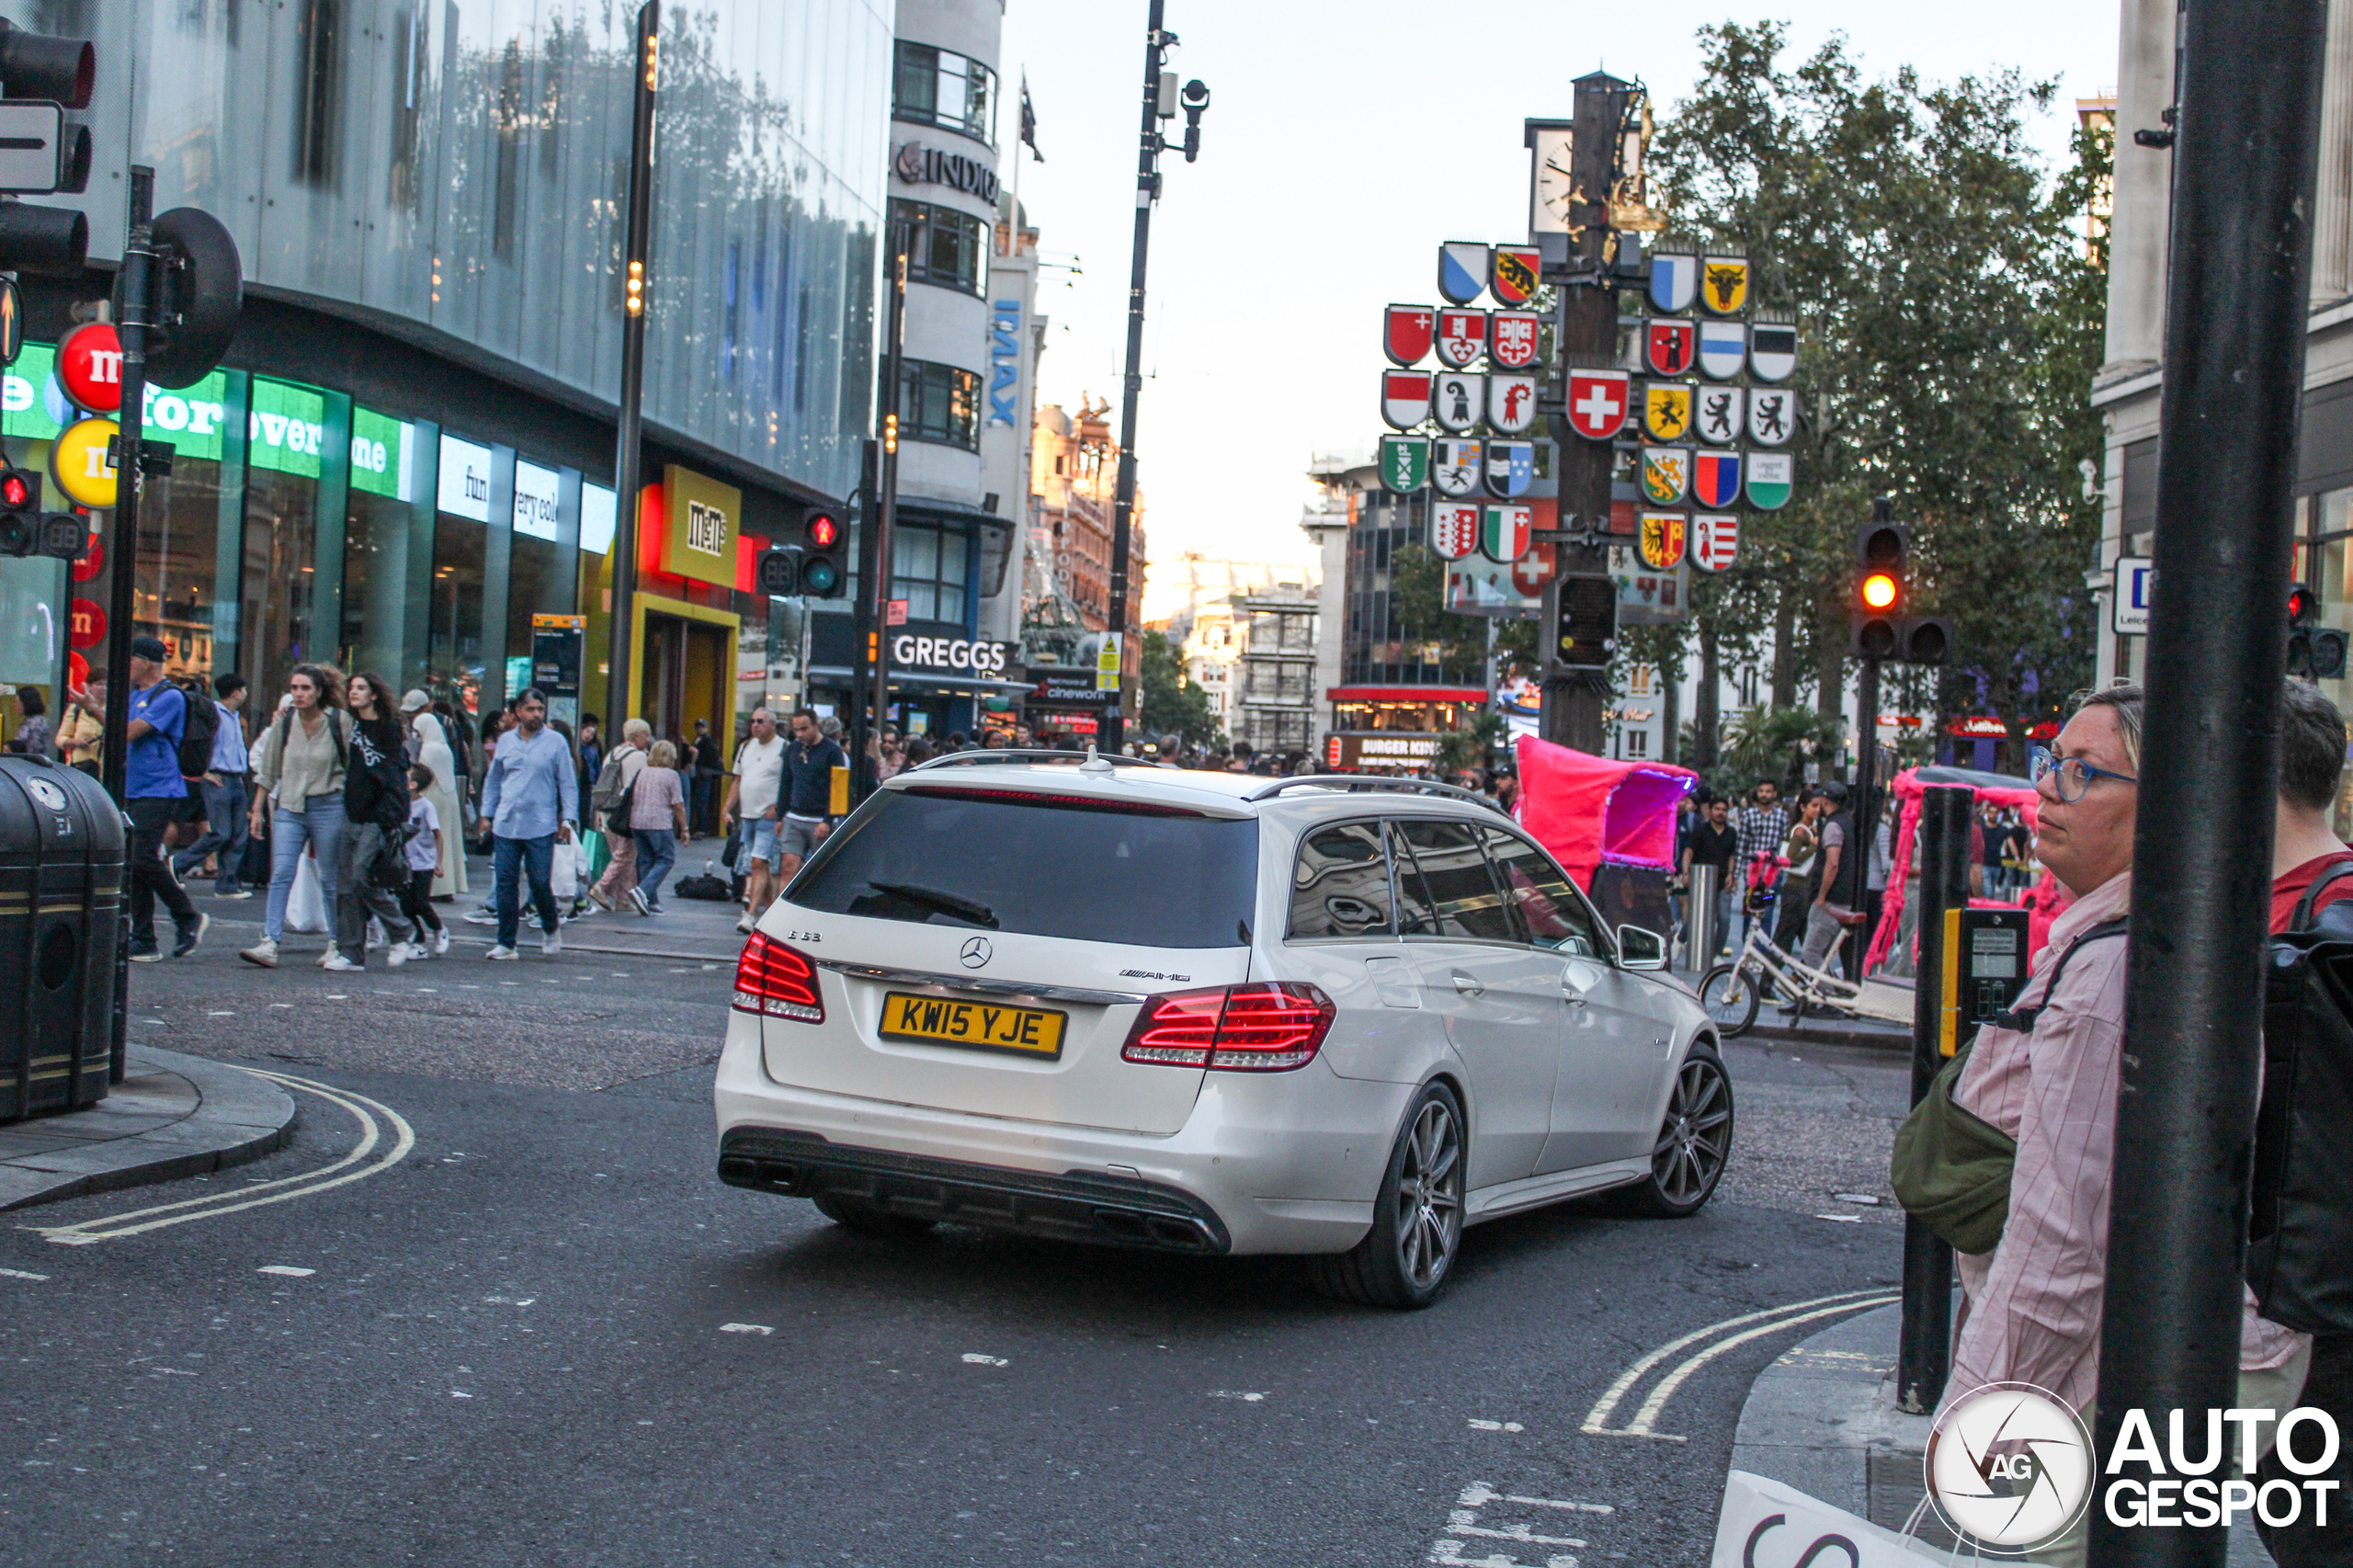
<point x="2076" y="775"/>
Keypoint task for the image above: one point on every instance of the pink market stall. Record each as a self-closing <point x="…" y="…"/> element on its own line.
<point x="2043" y="901"/>
<point x="1609" y="824"/>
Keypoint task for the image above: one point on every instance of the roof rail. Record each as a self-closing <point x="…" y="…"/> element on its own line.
<point x="1029" y="754"/>
<point x="1353" y="783"/>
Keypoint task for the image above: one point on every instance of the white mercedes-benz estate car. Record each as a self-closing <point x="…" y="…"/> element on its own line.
<point x="1208" y="1013"/>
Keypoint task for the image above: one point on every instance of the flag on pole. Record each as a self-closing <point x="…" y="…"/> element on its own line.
<point x="1029" y="121"/>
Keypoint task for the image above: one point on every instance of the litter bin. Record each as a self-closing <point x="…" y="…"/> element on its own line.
<point x="62" y="863"/>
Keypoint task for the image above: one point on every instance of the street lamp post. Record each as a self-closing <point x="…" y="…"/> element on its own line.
<point x="879" y="512"/>
<point x="1160" y="102"/>
<point x="637" y="234"/>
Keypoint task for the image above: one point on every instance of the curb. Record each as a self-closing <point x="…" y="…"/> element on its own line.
<point x="1873" y="1039"/>
<point x="173" y="1116"/>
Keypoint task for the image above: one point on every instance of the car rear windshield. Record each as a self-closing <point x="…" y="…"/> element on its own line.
<point x="1041" y="866"/>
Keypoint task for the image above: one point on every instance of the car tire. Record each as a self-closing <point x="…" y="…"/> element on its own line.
<point x="866" y="1222"/>
<point x="1693" y="1147"/>
<point x="1729" y="994"/>
<point x="1406" y="1260"/>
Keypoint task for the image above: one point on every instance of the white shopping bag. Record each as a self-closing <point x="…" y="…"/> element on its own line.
<point x="1767" y="1522"/>
<point x="563" y="871"/>
<point x="306" y="904"/>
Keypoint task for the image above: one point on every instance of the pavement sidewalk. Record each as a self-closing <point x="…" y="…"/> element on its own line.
<point x="173" y="1116"/>
<point x="1823" y="1418"/>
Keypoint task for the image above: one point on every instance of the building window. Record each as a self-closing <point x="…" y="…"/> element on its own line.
<point x="940" y="402"/>
<point x="934" y="87"/>
<point x="945" y="247"/>
<point x="1638" y="742"/>
<point x="928" y="569"/>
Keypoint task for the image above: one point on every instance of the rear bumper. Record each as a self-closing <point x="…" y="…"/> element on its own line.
<point x="1271" y="1163"/>
<point x="1077" y="1206"/>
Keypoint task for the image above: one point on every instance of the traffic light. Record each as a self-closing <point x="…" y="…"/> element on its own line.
<point x="41" y="77"/>
<point x="1925" y="640"/>
<point x="26" y="529"/>
<point x="1875" y="623"/>
<point x="822" y="572"/>
<point x="2315" y="652"/>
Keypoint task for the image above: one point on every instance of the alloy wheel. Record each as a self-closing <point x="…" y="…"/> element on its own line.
<point x="1428" y="1195"/>
<point x="1694" y="1141"/>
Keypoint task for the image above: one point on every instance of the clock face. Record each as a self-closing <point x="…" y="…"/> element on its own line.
<point x="1549" y="212"/>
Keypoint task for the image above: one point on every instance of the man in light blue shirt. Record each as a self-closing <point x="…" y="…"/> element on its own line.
<point x="532" y="794"/>
<point x="223" y="788"/>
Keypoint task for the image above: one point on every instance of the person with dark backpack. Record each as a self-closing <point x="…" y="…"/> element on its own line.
<point x="222" y="786"/>
<point x="373" y="871"/>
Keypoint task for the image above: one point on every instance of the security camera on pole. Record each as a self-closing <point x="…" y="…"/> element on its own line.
<point x="1161" y="102"/>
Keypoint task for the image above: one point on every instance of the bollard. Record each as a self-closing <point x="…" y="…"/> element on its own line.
<point x="1700" y="933"/>
<point x="1925" y="1353"/>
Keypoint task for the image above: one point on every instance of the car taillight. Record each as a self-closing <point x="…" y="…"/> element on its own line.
<point x="1232" y="1028"/>
<point x="778" y="981"/>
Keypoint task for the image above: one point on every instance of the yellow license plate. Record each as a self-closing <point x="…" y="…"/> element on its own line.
<point x="983" y="1025"/>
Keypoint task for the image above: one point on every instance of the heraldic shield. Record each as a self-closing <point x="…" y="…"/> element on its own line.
<point x="1718" y="412"/>
<point x="1723" y="349"/>
<point x="1770" y="479"/>
<point x="1667" y="473"/>
<point x="1456" y="397"/>
<point x="1514" y="275"/>
<point x="1511" y="468"/>
<point x="1598" y="401"/>
<point x="1513" y="339"/>
<point x="1666" y="410"/>
<point x="1723" y="284"/>
<point x="1511" y="402"/>
<point x="1675" y="283"/>
<point x="1404" y="398"/>
<point x="1773" y="351"/>
<point x="1454" y="529"/>
<point x="1715" y="541"/>
<point x="1668" y="345"/>
<point x="1772" y="414"/>
<point x="1503" y="536"/>
<point x="1461" y="271"/>
<point x="1404" y="463"/>
<point x="1455" y="465"/>
<point x="1405" y="333"/>
<point x="1662" y="540"/>
<point x="1715" y="478"/>
<point x="1461" y="337"/>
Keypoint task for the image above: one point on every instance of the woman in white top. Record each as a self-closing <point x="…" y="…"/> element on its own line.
<point x="298" y="760"/>
<point x="432" y="749"/>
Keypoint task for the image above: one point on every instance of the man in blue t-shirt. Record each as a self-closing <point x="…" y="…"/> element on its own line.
<point x="154" y="794"/>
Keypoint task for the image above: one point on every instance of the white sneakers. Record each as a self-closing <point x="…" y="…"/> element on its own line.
<point x="398" y="953"/>
<point x="335" y="962"/>
<point x="743" y="921"/>
<point x="502" y="954"/>
<point x="551" y="943"/>
<point x="440" y="941"/>
<point x="637" y="898"/>
<point x="264" y="952"/>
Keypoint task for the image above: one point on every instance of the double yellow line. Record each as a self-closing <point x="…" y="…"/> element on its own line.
<point x="371" y="1156"/>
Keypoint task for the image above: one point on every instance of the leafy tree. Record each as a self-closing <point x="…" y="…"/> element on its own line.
<point x="1172" y="704"/>
<point x="1949" y="311"/>
<point x="1418" y="606"/>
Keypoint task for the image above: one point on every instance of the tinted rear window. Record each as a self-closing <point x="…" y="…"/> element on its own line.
<point x="1000" y="864"/>
<point x="1340" y="886"/>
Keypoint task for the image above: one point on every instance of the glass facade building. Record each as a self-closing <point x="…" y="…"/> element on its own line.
<point x="408" y="451"/>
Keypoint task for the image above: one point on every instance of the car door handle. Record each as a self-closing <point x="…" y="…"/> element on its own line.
<point x="1468" y="986"/>
<point x="1571" y="994"/>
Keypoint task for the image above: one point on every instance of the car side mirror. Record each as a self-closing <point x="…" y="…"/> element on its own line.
<point x="1639" y="948"/>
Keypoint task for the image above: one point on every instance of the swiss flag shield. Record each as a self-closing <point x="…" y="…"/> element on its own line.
<point x="1598" y="403"/>
<point x="1462" y="336"/>
<point x="1405" y="333"/>
<point x="1454" y="529"/>
<point x="1533" y="570"/>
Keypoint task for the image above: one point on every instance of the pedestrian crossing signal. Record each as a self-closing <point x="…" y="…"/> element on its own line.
<point x="2314" y="653"/>
<point x="822" y="571"/>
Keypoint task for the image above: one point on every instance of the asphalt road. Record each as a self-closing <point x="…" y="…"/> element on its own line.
<point x="545" y="1333"/>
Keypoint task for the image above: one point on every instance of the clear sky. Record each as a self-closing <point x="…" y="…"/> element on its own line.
<point x="1345" y="140"/>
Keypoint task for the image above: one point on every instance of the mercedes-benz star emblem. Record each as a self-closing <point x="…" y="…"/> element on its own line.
<point x="975" y="952"/>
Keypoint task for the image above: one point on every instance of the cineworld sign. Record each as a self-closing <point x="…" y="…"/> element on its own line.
<point x="919" y="165"/>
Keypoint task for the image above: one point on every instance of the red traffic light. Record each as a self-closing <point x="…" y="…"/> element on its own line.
<point x="13" y="492"/>
<point x="822" y="530"/>
<point x="1879" y="591"/>
<point x="2303" y="605"/>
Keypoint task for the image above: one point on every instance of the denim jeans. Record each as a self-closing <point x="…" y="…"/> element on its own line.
<point x="318" y="824"/>
<point x="534" y="857"/>
<point x="657" y="851"/>
<point x="224" y="833"/>
<point x="364" y="845"/>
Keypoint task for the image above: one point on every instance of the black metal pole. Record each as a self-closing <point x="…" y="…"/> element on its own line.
<point x="1924" y="1353"/>
<point x="1113" y="725"/>
<point x="879" y="516"/>
<point x="2243" y="186"/>
<point x="620" y="694"/>
<point x="137" y="311"/>
<point x="1858" y="864"/>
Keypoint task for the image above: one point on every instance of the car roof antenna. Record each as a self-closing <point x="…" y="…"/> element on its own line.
<point x="1095" y="764"/>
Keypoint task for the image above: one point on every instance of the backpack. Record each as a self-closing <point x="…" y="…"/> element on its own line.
<point x="611" y="797"/>
<point x="2300" y="1222"/>
<point x="204" y="723"/>
<point x="1951" y="1169"/>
